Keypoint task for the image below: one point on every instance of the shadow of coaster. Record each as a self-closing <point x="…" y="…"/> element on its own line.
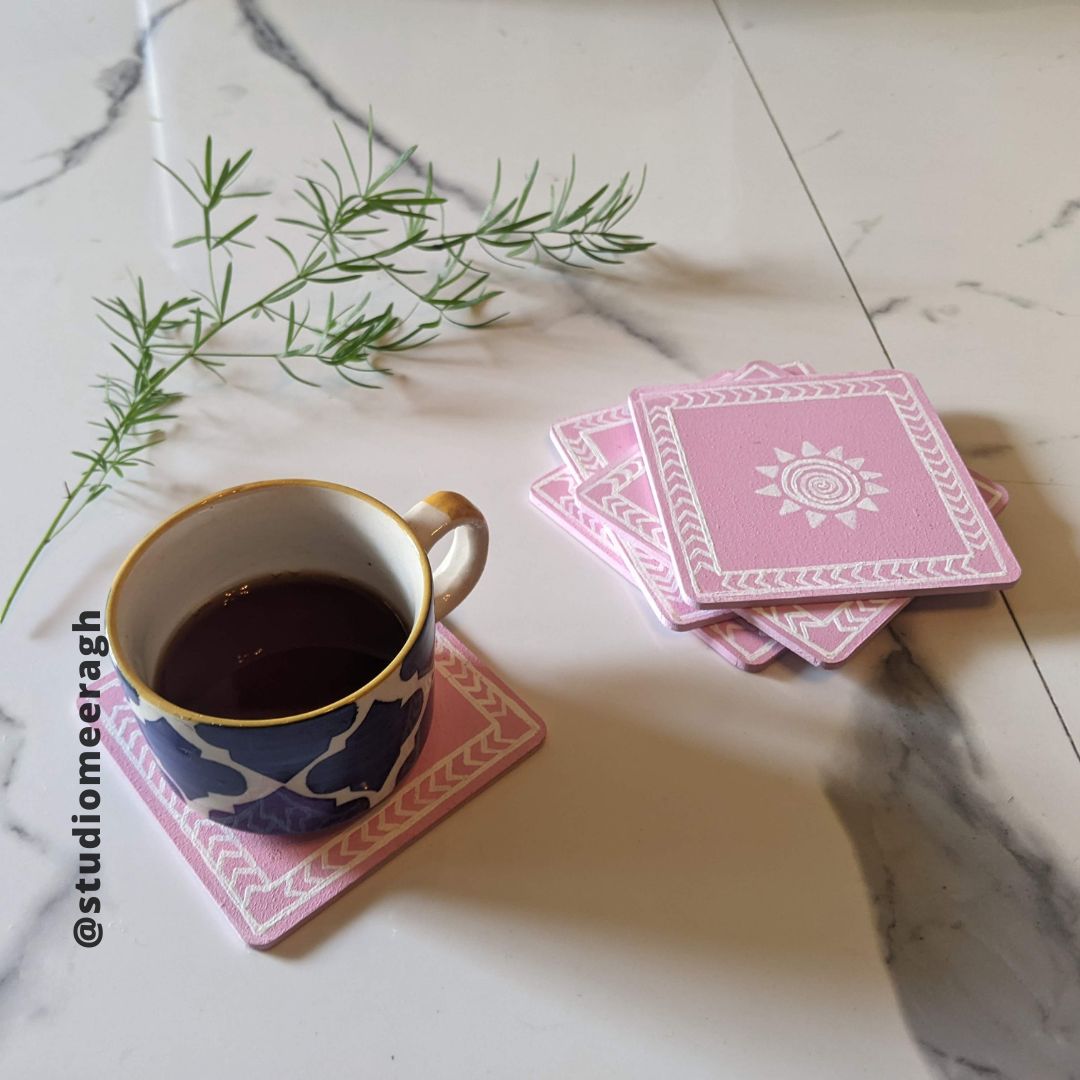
<point x="268" y="885"/>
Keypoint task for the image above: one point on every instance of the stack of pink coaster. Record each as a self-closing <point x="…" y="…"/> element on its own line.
<point x="772" y="507"/>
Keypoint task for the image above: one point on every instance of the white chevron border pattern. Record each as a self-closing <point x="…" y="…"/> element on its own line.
<point x="235" y="868"/>
<point x="696" y="545"/>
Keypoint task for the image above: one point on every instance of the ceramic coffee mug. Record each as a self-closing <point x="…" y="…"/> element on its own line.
<point x="293" y="774"/>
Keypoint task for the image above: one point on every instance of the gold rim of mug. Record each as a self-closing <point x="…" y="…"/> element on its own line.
<point x="147" y="693"/>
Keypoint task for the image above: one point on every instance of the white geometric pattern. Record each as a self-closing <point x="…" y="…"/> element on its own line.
<point x="822" y="485"/>
<point x="981" y="562"/>
<point x="654" y="575"/>
<point x="261" y="901"/>
<point x="554" y="495"/>
<point x="830" y="632"/>
<point x="606" y="495"/>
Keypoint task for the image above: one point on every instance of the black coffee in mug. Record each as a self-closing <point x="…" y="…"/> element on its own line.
<point x="279" y="645"/>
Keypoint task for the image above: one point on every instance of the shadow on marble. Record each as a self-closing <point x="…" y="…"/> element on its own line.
<point x="55" y="617"/>
<point x="626" y="833"/>
<point x="654" y="841"/>
<point x="978" y="922"/>
<point x="664" y="274"/>
<point x="780" y="10"/>
<point x="1042" y="540"/>
<point x="155" y="499"/>
<point x="158" y="497"/>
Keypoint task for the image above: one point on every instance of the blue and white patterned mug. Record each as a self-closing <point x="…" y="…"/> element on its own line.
<point x="293" y="774"/>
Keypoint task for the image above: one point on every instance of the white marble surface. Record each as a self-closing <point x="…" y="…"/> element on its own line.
<point x="869" y="872"/>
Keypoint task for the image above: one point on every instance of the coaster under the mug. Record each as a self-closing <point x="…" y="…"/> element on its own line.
<point x="268" y="885"/>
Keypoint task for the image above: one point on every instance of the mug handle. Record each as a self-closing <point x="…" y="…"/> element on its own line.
<point x="433" y="518"/>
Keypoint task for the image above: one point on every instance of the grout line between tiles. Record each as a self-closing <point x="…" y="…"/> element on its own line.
<point x="802" y="180"/>
<point x="1042" y="677"/>
<point x="885" y="352"/>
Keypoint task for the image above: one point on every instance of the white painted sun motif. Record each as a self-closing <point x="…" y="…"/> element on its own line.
<point x="821" y="485"/>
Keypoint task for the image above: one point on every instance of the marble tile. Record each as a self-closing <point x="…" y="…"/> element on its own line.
<point x="951" y="196"/>
<point x="802" y="873"/>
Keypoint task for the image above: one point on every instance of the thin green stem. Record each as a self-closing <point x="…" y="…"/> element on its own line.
<point x="340" y="228"/>
<point x="116" y="437"/>
<point x="50" y="532"/>
<point x="208" y="240"/>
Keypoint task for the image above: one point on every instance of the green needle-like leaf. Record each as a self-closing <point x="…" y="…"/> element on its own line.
<point x="444" y="273"/>
<point x="236" y="230"/>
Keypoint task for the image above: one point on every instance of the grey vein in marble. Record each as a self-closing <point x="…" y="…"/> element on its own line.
<point x="38" y="919"/>
<point x="979" y="926"/>
<point x="981" y="450"/>
<point x="1065" y="217"/>
<point x="865" y="226"/>
<point x="13" y="966"/>
<point x="886" y="307"/>
<point x="118" y="83"/>
<point x="832" y="137"/>
<point x="1024" y="302"/>
<point x="933" y="314"/>
<point x="272" y="42"/>
<point x="960" y="1067"/>
<point x="604" y="310"/>
<point x="14" y="741"/>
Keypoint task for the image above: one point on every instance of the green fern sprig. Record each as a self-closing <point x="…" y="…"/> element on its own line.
<point x="350" y="226"/>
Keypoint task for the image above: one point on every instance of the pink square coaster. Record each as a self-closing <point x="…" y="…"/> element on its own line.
<point x="268" y="885"/>
<point x="813" y="488"/>
<point x="553" y="494"/>
<point x="823" y="634"/>
<point x="622" y="496"/>
<point x="621" y="493"/>
<point x="586" y="442"/>
<point x="828" y="634"/>
<point x="591" y="442"/>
